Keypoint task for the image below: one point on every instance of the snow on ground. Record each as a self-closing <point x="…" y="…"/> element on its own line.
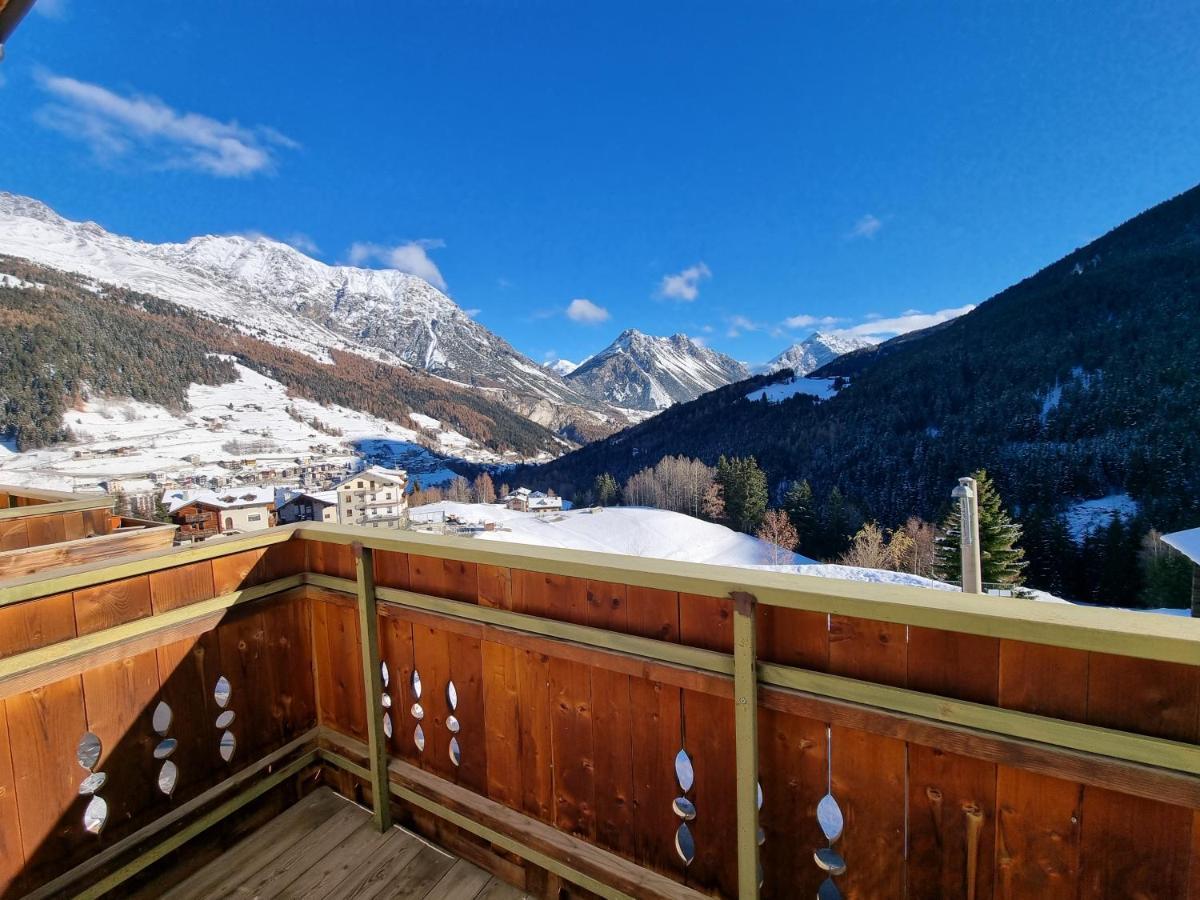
<point x="636" y="531"/>
<point x="13" y="281"/>
<point x="856" y="573"/>
<point x="821" y="388"/>
<point x="1088" y="516"/>
<point x="253" y="417"/>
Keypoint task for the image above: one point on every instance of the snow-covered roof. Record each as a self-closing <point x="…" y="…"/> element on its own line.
<point x="1186" y="542"/>
<point x="226" y="499"/>
<point x="544" y="502"/>
<point x="379" y="473"/>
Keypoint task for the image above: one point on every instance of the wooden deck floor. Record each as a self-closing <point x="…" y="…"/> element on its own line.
<point x="327" y="847"/>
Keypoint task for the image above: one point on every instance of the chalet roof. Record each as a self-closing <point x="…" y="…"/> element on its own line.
<point x="1186" y="542"/>
<point x="228" y="498"/>
<point x="379" y="473"/>
<point x="329" y="498"/>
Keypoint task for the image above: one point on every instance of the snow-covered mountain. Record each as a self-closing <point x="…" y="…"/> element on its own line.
<point x="815" y="351"/>
<point x="563" y="367"/>
<point x="275" y="292"/>
<point x="641" y="371"/>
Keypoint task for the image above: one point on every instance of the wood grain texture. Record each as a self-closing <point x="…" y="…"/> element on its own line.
<point x="708" y="737"/>
<point x="1037" y="836"/>
<point x="114" y="603"/>
<point x="949" y="796"/>
<point x="572" y="748"/>
<point x="502" y="724"/>
<point x="868" y="774"/>
<point x="1044" y="680"/>
<point x="36" y="623"/>
<point x="872" y="651"/>
<point x="612" y="742"/>
<point x="793" y="769"/>
<point x="793" y="637"/>
<point x="12" y="855"/>
<point x="1133" y="847"/>
<point x="657" y="731"/>
<point x="962" y="666"/>
<point x="173" y="588"/>
<point x="1144" y="696"/>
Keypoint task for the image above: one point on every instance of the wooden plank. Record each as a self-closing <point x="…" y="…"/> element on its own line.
<point x="396" y="649"/>
<point x="572" y="748"/>
<point x="502" y="724"/>
<point x="391" y="570"/>
<point x="608" y="606"/>
<point x="431" y="651"/>
<point x="537" y="777"/>
<point x="368" y="626"/>
<point x="36" y="623"/>
<point x="709" y="739"/>
<point x="336" y="640"/>
<point x="244" y="662"/>
<point x="868" y="774"/>
<point x="426" y="574"/>
<point x="794" y="771"/>
<point x="495" y="587"/>
<point x="342" y="863"/>
<point x="560" y="597"/>
<point x="951" y="825"/>
<point x="1024" y="684"/>
<point x="13" y="534"/>
<point x="382" y="876"/>
<point x="188" y="672"/>
<point x="745" y="721"/>
<point x="46" y="529"/>
<point x="870" y="650"/>
<point x="460" y="580"/>
<point x="653" y="613"/>
<point x="119" y="698"/>
<point x="12" y="855"/>
<point x="1144" y="696"/>
<point x="657" y="736"/>
<point x="1037" y="836"/>
<point x="463" y="881"/>
<point x="260" y="846"/>
<point x="183" y="585"/>
<point x="466" y="671"/>
<point x="706" y="622"/>
<point x="1132" y="847"/>
<point x="612" y="750"/>
<point x="82" y="550"/>
<point x="114" y="603"/>
<point x="44" y="727"/>
<point x="793" y="637"/>
<point x="330" y="559"/>
<point x="287" y="629"/>
<point x="963" y="666"/>
<point x="237" y="570"/>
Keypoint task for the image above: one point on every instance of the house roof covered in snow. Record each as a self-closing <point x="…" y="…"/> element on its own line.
<point x="329" y="498"/>
<point x="1186" y="542"/>
<point x="229" y="498"/>
<point x="379" y="473"/>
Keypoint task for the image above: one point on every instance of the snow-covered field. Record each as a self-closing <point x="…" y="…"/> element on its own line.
<point x="821" y="388"/>
<point x="253" y="417"/>
<point x="1089" y="516"/>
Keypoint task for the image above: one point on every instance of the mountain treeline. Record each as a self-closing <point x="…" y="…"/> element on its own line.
<point x="64" y="342"/>
<point x="1079" y="382"/>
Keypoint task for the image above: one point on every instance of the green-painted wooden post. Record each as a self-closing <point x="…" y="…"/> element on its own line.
<point x="745" y="728"/>
<point x="368" y="622"/>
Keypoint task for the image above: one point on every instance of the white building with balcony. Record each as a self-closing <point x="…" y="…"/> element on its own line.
<point x="374" y="497"/>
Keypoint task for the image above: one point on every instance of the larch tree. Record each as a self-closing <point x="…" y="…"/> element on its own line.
<point x="778" y="535"/>
<point x="483" y="488"/>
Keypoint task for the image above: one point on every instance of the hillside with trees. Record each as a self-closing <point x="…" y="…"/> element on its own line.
<point x="63" y="341"/>
<point x="1078" y="382"/>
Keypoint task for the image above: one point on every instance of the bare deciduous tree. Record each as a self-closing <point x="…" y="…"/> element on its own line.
<point x="779" y="535"/>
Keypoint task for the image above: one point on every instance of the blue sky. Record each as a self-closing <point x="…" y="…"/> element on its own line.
<point x="742" y="173"/>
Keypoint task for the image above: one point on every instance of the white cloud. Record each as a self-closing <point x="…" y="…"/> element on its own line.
<point x="303" y="243"/>
<point x="411" y="257"/>
<point x="806" y="321"/>
<point x="472" y="312"/>
<point x="581" y="310"/>
<point x="866" y="227"/>
<point x="114" y="125"/>
<point x="51" y="9"/>
<point x="739" y="324"/>
<point x="684" y="285"/>
<point x="910" y="320"/>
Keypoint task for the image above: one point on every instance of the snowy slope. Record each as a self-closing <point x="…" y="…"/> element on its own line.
<point x="821" y="388"/>
<point x="641" y="371"/>
<point x="637" y="531"/>
<point x="275" y="292"/>
<point x="815" y="351"/>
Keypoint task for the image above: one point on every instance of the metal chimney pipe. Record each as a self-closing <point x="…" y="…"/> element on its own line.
<point x="967" y="496"/>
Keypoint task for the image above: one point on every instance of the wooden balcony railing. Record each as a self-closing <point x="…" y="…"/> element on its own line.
<point x="636" y="728"/>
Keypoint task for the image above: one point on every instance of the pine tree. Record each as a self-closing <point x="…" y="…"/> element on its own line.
<point x="606" y="490"/>
<point x="1001" y="560"/>
<point x="798" y="503"/>
<point x="744" y="486"/>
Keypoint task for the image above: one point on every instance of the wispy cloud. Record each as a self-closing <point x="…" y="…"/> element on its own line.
<point x="587" y="312"/>
<point x="303" y="243"/>
<point x="472" y="312"/>
<point x="51" y="9"/>
<point x="685" y="285"/>
<point x="909" y="320"/>
<point x="866" y="227"/>
<point x="411" y="257"/>
<point x="144" y="127"/>
<point x="737" y="325"/>
<point x="807" y="321"/>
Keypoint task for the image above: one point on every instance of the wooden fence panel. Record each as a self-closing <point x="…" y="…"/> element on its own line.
<point x="708" y="737"/>
<point x="12" y="855"/>
<point x="794" y="772"/>
<point x="1037" y="836"/>
<point x="1133" y="847"/>
<point x="36" y="623"/>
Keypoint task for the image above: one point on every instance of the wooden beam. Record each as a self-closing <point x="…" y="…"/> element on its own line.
<point x="745" y="731"/>
<point x="573" y="859"/>
<point x="368" y="629"/>
<point x="61" y="506"/>
<point x="1120" y="632"/>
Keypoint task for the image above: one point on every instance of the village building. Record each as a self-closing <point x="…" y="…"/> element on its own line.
<point x="525" y="500"/>
<point x="204" y="513"/>
<point x="306" y="506"/>
<point x="375" y="497"/>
